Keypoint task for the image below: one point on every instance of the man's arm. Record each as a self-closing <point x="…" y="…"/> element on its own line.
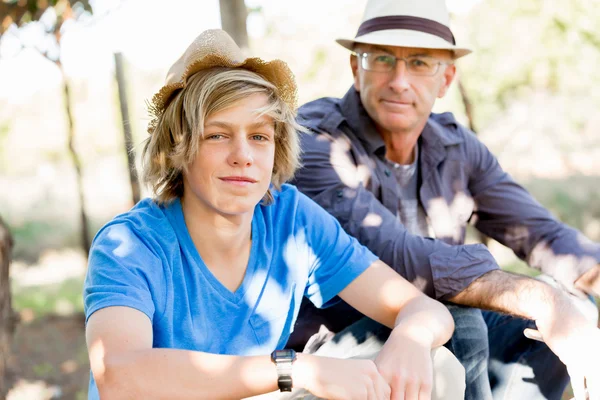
<point x="509" y="214"/>
<point x="331" y="178"/>
<point x="512" y="294"/>
<point x="568" y="333"/>
<point x="125" y="366"/>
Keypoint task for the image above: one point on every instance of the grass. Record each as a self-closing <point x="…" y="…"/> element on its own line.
<point x="62" y="298"/>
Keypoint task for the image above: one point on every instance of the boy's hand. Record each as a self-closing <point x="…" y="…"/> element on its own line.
<point x="340" y="379"/>
<point x="405" y="363"/>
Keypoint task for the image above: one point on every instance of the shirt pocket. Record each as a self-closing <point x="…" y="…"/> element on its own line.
<point x="273" y="319"/>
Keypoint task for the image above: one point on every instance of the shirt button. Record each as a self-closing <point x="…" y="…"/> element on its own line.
<point x="387" y="172"/>
<point x="340" y="193"/>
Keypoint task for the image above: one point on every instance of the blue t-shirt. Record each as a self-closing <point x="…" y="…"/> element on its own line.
<point x="145" y="259"/>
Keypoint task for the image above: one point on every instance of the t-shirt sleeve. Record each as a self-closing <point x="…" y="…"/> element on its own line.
<point x="123" y="271"/>
<point x="338" y="258"/>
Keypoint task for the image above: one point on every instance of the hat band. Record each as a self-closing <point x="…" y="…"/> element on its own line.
<point x="406" y="22"/>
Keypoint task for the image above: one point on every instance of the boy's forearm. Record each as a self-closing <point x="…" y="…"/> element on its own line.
<point x="427" y="320"/>
<point x="181" y="374"/>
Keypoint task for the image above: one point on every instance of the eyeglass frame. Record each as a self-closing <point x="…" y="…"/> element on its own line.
<point x="361" y="56"/>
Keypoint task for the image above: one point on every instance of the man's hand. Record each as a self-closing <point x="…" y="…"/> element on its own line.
<point x="589" y="282"/>
<point x="562" y="325"/>
<point x="340" y="379"/>
<point x="576" y="341"/>
<point x="405" y="363"/>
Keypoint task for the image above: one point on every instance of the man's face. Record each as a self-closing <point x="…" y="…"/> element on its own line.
<point x="397" y="100"/>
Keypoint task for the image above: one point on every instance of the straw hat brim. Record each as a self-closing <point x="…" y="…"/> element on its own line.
<point x="214" y="48"/>
<point x="276" y="71"/>
<point x="404" y="38"/>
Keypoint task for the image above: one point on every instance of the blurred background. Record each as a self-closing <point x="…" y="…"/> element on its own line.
<point x="75" y="77"/>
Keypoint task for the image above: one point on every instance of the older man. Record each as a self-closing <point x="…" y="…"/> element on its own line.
<point x="405" y="182"/>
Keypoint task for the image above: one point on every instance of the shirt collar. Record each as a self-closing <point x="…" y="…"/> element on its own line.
<point x="359" y="121"/>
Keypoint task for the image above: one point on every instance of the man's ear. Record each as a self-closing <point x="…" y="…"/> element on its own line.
<point x="449" y="74"/>
<point x="354" y="66"/>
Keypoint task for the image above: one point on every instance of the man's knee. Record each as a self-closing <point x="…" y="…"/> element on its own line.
<point x="449" y="380"/>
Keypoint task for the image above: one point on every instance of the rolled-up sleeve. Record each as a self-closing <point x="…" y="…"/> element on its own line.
<point x="438" y="269"/>
<point x="509" y="214"/>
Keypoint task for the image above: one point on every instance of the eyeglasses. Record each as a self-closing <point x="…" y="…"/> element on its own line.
<point x="415" y="65"/>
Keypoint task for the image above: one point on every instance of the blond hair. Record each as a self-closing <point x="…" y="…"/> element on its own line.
<point x="175" y="135"/>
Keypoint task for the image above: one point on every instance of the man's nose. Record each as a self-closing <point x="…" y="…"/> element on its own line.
<point x="399" y="78"/>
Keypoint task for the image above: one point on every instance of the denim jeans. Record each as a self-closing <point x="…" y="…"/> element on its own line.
<point x="500" y="362"/>
<point x="521" y="368"/>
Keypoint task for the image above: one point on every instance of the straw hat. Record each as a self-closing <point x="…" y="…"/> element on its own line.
<point x="406" y="23"/>
<point x="215" y="48"/>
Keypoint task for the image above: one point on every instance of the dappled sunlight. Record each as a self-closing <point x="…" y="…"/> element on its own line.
<point x="579" y="299"/>
<point x="420" y="283"/>
<point x="351" y="174"/>
<point x="49" y="359"/>
<point x="372" y="220"/>
<point x="69" y="367"/>
<point x="565" y="268"/>
<point x="64" y="307"/>
<point x="390" y="289"/>
<point x="121" y="234"/>
<point x="449" y="221"/>
<point x="36" y="389"/>
<point x="254" y="291"/>
<point x="70" y="262"/>
<point x="502" y="254"/>
<point x="60" y="299"/>
<point x="592" y="228"/>
<point x="297" y="250"/>
<point x="26" y="316"/>
<point x="211" y="363"/>
<point x="441" y="219"/>
<point x="585" y="243"/>
<point x="97" y="353"/>
<point x="388" y="293"/>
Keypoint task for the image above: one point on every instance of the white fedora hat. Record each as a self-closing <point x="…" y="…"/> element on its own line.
<point x="406" y="23"/>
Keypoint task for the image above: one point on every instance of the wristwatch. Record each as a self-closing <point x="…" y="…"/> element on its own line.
<point x="283" y="360"/>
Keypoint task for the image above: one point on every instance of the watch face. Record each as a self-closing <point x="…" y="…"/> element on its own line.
<point x="283" y="355"/>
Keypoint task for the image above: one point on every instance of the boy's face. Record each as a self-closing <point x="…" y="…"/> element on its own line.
<point x="232" y="170"/>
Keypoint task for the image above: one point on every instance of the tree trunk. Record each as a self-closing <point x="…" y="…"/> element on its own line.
<point x="85" y="235"/>
<point x="233" y="20"/>
<point x="470" y="118"/>
<point x="467" y="104"/>
<point x="7" y="320"/>
<point x="128" y="140"/>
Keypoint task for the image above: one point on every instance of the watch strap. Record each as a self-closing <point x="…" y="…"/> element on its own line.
<point x="284" y="360"/>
